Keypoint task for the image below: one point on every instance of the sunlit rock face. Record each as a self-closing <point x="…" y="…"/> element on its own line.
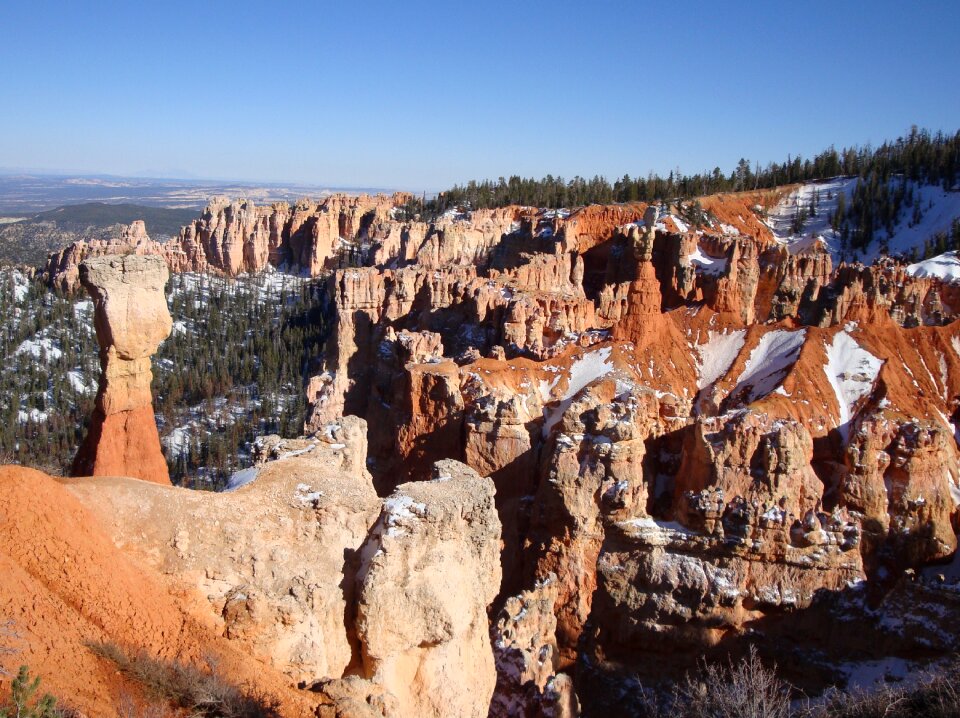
<point x="692" y="432"/>
<point x="546" y="452"/>
<point x="131" y="319"/>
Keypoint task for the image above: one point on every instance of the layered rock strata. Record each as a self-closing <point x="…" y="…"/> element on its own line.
<point x="693" y="434"/>
<point x="236" y="236"/>
<point x="692" y="437"/>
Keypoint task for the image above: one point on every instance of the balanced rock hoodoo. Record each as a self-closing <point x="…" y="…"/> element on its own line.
<point x="131" y="319"/>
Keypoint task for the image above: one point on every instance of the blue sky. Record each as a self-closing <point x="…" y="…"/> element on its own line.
<point x="420" y="95"/>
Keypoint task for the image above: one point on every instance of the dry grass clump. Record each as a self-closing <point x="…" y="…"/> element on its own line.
<point x="195" y="692"/>
<point x="743" y="689"/>
<point x="748" y="689"/>
<point x="935" y="695"/>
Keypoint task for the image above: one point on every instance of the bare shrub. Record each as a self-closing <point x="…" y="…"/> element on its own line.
<point x="8" y="636"/>
<point x="203" y="693"/>
<point x="129" y="707"/>
<point x="745" y="689"/>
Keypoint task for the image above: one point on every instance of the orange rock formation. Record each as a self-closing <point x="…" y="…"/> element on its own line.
<point x="131" y="319"/>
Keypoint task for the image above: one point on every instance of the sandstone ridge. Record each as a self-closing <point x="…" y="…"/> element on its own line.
<point x="566" y="449"/>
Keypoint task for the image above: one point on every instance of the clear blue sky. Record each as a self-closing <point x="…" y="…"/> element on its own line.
<point x="420" y="95"/>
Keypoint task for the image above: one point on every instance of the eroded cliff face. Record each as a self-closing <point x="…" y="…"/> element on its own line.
<point x="68" y="587"/>
<point x="235" y="236"/>
<point x="131" y="319"/>
<point x="429" y="569"/>
<point x="598" y="444"/>
<point x="694" y="434"/>
<point x="380" y="605"/>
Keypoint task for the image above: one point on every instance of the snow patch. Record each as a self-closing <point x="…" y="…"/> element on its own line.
<point x="954" y="493"/>
<point x="871" y="674"/>
<point x="943" y="266"/>
<point x="79" y="385"/>
<point x="306" y="495"/>
<point x="38" y="348"/>
<point x="769" y="362"/>
<point x="34" y="416"/>
<point x="706" y="264"/>
<point x="21" y="286"/>
<point x="241" y="478"/>
<point x="938" y="209"/>
<point x="398" y="508"/>
<point x="717" y="354"/>
<point x="177" y="442"/>
<point x="851" y="371"/>
<point x="586" y="369"/>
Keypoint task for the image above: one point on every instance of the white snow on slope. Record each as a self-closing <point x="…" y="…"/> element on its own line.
<point x="400" y="507"/>
<point x="945" y="266"/>
<point x="241" y="478"/>
<point x="661" y="224"/>
<point x="587" y="368"/>
<point x="76" y="381"/>
<point x="546" y="387"/>
<point x="21" y="285"/>
<point x="938" y="209"/>
<point x="83" y="310"/>
<point x="39" y="347"/>
<point x="681" y="225"/>
<point x="717" y="354"/>
<point x="769" y="362"/>
<point x="936" y="218"/>
<point x="869" y="675"/>
<point x="34" y="415"/>
<point x="706" y="264"/>
<point x="851" y="371"/>
<point x="177" y="442"/>
<point x="780" y="219"/>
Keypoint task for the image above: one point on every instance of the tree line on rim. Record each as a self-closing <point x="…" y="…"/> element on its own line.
<point x="921" y="156"/>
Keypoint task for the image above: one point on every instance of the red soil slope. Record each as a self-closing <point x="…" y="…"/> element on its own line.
<point x="65" y="585"/>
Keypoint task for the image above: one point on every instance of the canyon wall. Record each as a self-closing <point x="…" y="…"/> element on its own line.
<point x="372" y="602"/>
<point x="693" y="433"/>
<point x="235" y="236"/>
<point x="569" y="451"/>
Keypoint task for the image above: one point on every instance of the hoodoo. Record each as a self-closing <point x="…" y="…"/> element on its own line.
<point x="131" y="319"/>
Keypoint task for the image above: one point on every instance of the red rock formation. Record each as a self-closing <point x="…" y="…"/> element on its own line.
<point x="131" y="319"/>
<point x="233" y="237"/>
<point x="525" y="647"/>
<point x="743" y="210"/>
<point x="588" y="227"/>
<point x="378" y="605"/>
<point x="692" y="433"/>
<point x="67" y="587"/>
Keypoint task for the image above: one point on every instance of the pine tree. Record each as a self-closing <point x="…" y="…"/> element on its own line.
<point x="23" y="700"/>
